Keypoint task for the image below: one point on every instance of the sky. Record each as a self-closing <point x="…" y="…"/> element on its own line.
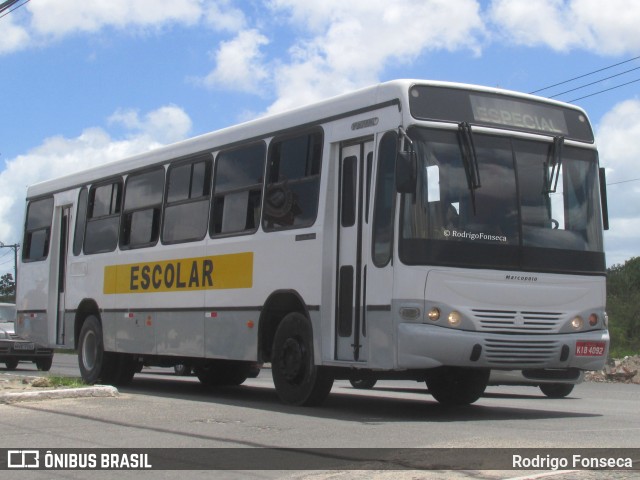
<point x="87" y="82"/>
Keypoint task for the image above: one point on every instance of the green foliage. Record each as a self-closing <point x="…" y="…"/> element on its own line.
<point x="70" y="382"/>
<point x="7" y="288"/>
<point x="623" y="307"/>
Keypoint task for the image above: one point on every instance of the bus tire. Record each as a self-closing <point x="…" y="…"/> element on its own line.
<point x="44" y="364"/>
<point x="454" y="386"/>
<point x="95" y="364"/>
<point x="182" y="369"/>
<point x="223" y="373"/>
<point x="298" y="380"/>
<point x="556" y="390"/>
<point x="126" y="366"/>
<point x="363" y="383"/>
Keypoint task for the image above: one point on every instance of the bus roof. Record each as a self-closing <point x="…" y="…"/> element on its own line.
<point x="395" y="91"/>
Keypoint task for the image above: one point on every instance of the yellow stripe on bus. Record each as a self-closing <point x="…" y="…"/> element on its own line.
<point x="183" y="274"/>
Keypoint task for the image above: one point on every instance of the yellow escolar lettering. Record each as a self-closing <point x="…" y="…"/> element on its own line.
<point x="202" y="273"/>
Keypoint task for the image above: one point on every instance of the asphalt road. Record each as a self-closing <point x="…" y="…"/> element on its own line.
<point x="161" y="410"/>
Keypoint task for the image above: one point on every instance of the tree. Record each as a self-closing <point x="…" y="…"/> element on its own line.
<point x="623" y="307"/>
<point x="7" y="288"/>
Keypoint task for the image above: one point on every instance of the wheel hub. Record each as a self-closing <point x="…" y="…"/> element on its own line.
<point x="89" y="351"/>
<point x="292" y="360"/>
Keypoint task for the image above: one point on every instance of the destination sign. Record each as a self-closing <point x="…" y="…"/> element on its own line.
<point x="183" y="274"/>
<point x="498" y="110"/>
<point x="512" y="113"/>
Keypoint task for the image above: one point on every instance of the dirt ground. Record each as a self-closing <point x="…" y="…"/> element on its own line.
<point x="10" y="382"/>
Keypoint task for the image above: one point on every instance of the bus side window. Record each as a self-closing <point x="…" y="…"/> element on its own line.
<point x="37" y="230"/>
<point x="187" y="201"/>
<point x="292" y="193"/>
<point x="81" y="221"/>
<point x="384" y="201"/>
<point x="103" y="217"/>
<point x="237" y="190"/>
<point x="142" y="207"/>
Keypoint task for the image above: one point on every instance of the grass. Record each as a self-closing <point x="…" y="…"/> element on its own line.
<point x="70" y="382"/>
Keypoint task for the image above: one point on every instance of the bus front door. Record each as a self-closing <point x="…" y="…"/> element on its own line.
<point x="355" y="187"/>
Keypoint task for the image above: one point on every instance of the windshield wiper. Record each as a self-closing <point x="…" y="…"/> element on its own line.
<point x="469" y="160"/>
<point x="554" y="161"/>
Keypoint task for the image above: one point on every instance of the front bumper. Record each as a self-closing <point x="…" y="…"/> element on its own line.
<point x="428" y="346"/>
<point x="22" y="350"/>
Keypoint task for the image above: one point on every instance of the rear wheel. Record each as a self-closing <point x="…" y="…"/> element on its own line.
<point x="223" y="373"/>
<point x="298" y="380"/>
<point x="457" y="386"/>
<point x="95" y="364"/>
<point x="556" y="390"/>
<point x="125" y="369"/>
<point x="363" y="383"/>
<point x="182" y="369"/>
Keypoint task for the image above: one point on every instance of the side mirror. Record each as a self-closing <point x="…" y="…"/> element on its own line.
<point x="406" y="171"/>
<point x="603" y="199"/>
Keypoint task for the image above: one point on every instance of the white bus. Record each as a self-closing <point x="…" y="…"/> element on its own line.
<point x="418" y="230"/>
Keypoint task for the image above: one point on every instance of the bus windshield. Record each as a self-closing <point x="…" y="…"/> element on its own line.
<point x="531" y="206"/>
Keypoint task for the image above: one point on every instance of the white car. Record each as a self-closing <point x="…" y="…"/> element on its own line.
<point x="8" y="317"/>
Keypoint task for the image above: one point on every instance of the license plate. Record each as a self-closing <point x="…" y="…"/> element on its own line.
<point x="590" y="349"/>
<point x="24" y="346"/>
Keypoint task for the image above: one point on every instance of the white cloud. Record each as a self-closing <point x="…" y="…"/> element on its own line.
<point x="239" y="63"/>
<point x="14" y="37"/>
<point x="57" y="18"/>
<point x="47" y="20"/>
<point x="350" y="43"/>
<point x="608" y="28"/>
<point x="169" y="123"/>
<point x="222" y="16"/>
<point x="58" y="156"/>
<point x="619" y="153"/>
<point x="616" y="128"/>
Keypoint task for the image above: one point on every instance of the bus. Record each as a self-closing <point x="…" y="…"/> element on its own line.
<point x="416" y="230"/>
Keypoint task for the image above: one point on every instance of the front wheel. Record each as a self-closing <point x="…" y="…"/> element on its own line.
<point x="556" y="390"/>
<point x="298" y="380"/>
<point x="456" y="386"/>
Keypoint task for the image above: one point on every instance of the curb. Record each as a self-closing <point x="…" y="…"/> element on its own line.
<point x="82" y="392"/>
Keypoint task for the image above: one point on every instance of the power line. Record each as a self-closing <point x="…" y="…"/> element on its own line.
<point x="624" y="181"/>
<point x="593" y="83"/>
<point x="605" y="90"/>
<point x="8" y="4"/>
<point x="585" y="75"/>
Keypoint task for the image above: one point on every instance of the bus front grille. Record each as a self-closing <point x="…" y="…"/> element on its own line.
<point x="513" y="321"/>
<point x="504" y="352"/>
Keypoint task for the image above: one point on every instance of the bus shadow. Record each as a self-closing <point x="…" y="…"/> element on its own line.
<point x="348" y="404"/>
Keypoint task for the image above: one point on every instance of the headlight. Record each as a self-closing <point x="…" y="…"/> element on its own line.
<point x="454" y="318"/>
<point x="577" y="322"/>
<point x="433" y="314"/>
